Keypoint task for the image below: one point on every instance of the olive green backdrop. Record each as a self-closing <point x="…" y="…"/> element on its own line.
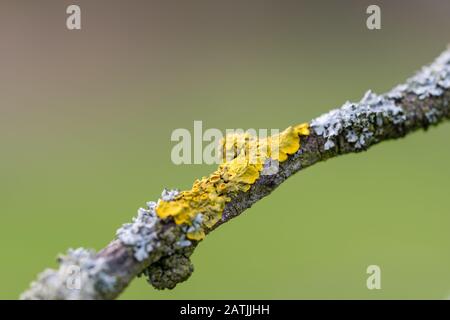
<point x="86" y="118"/>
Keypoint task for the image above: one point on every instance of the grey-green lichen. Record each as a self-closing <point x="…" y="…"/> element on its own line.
<point x="165" y="244"/>
<point x="81" y="275"/>
<point x="358" y="122"/>
<point x="142" y="235"/>
<point x="430" y="81"/>
<point x="361" y="122"/>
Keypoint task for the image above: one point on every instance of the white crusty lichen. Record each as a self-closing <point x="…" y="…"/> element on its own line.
<point x="196" y="226"/>
<point x="169" y="195"/>
<point x="430" y="81"/>
<point x="142" y="233"/>
<point x="357" y="122"/>
<point x="81" y="275"/>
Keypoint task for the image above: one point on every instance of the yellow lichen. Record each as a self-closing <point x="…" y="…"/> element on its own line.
<point x="196" y="235"/>
<point x="244" y="157"/>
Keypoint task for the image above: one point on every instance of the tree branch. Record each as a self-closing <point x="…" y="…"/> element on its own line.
<point x="158" y="247"/>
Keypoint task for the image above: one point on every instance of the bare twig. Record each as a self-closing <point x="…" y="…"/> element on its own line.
<point x="158" y="248"/>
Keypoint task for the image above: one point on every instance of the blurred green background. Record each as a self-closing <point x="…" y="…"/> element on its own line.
<point x="86" y="118"/>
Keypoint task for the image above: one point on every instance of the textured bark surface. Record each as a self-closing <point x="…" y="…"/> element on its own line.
<point x="421" y="102"/>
